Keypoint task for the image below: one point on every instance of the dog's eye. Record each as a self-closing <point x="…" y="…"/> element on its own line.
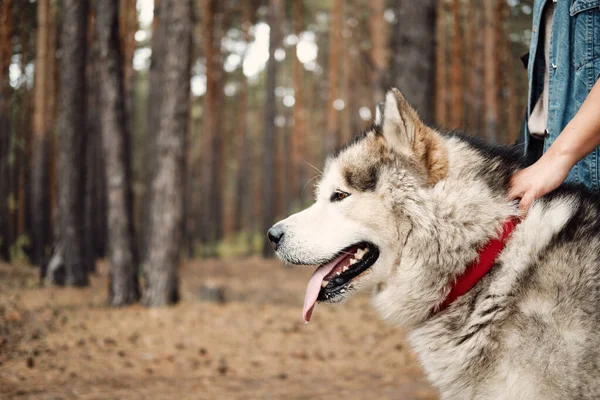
<point x="338" y="195"/>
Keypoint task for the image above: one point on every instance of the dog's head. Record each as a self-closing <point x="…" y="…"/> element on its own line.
<point x="366" y="203"/>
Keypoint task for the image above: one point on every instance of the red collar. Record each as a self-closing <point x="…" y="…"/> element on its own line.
<point x="477" y="269"/>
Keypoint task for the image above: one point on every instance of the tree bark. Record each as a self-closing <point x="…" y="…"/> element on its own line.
<point x="490" y="72"/>
<point x="155" y="89"/>
<point x="166" y="210"/>
<point x="69" y="243"/>
<point x="441" y="72"/>
<point x="333" y="138"/>
<point x="414" y="54"/>
<point x="124" y="288"/>
<point x="457" y="62"/>
<point x="244" y="173"/>
<point x="43" y="126"/>
<point x="5" y="130"/>
<point x="269" y="177"/>
<point x="379" y="56"/>
<point x="212" y="203"/>
<point x="299" y="173"/>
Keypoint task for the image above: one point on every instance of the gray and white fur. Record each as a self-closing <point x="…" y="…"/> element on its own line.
<point x="530" y="329"/>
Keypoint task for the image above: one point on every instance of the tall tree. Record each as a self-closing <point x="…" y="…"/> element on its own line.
<point x="69" y="242"/>
<point x="43" y="128"/>
<point x="128" y="26"/>
<point x="379" y="45"/>
<point x="155" y="75"/>
<point x="333" y="138"/>
<point x="5" y="134"/>
<point x="457" y="62"/>
<point x="243" y="173"/>
<point x="512" y="124"/>
<point x="441" y="72"/>
<point x="124" y="288"/>
<point x="268" y="178"/>
<point x="413" y="60"/>
<point x="299" y="172"/>
<point x="166" y="209"/>
<point x="490" y="72"/>
<point x="213" y="132"/>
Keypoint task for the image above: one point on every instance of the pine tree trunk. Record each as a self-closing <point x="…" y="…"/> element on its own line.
<point x="43" y="126"/>
<point x="511" y="109"/>
<point x="128" y="26"/>
<point x="379" y="43"/>
<point x="69" y="243"/>
<point x="155" y="89"/>
<point x="269" y="176"/>
<point x="470" y="58"/>
<point x="333" y="138"/>
<point x="5" y="134"/>
<point x="213" y="162"/>
<point x="490" y="73"/>
<point x="441" y="71"/>
<point x="166" y="210"/>
<point x="243" y="173"/>
<point x="124" y="288"/>
<point x="457" y="61"/>
<point x="299" y="173"/>
<point x="414" y="57"/>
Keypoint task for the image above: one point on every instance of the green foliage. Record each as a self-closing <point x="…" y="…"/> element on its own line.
<point x="18" y="255"/>
<point x="239" y="245"/>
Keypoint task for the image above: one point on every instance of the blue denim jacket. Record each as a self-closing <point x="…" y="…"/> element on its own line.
<point x="575" y="67"/>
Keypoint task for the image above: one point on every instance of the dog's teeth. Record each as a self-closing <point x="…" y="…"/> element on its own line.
<point x="353" y="261"/>
<point x="360" y="253"/>
<point x="339" y="272"/>
<point x="324" y="283"/>
<point x="345" y="269"/>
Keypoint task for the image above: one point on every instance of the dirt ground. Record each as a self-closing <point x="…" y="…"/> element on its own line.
<point x="65" y="344"/>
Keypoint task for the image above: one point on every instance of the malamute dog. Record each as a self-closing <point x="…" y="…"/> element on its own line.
<point x="497" y="308"/>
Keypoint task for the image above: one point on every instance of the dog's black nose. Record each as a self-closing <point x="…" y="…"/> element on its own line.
<point x="275" y="234"/>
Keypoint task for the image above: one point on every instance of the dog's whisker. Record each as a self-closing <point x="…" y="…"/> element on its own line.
<point x="309" y="181"/>
<point x="313" y="166"/>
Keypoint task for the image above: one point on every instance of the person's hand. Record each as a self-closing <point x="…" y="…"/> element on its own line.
<point x="531" y="183"/>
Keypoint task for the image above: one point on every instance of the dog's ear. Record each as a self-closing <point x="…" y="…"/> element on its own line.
<point x="406" y="134"/>
<point x="378" y="114"/>
<point x="399" y="122"/>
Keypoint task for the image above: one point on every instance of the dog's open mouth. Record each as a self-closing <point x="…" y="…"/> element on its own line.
<point x="332" y="278"/>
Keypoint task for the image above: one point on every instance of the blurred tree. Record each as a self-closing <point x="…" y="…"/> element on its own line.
<point x="413" y="48"/>
<point x="269" y="175"/>
<point x="213" y="130"/>
<point x="298" y="172"/>
<point x="128" y="26"/>
<point x="490" y="72"/>
<point x="457" y="63"/>
<point x="512" y="123"/>
<point x="333" y="138"/>
<point x="24" y="112"/>
<point x="379" y="49"/>
<point x="155" y="94"/>
<point x="473" y="63"/>
<point x="243" y="196"/>
<point x="68" y="249"/>
<point x="93" y="171"/>
<point x="162" y="258"/>
<point x="6" y="53"/>
<point x="124" y="288"/>
<point x="441" y="72"/>
<point x="43" y="128"/>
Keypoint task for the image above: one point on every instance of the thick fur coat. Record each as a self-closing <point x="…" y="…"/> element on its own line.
<point x="427" y="201"/>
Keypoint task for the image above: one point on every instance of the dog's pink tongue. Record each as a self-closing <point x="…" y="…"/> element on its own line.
<point x="314" y="287"/>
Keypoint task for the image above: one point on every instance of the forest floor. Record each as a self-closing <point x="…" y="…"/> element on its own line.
<point x="66" y="344"/>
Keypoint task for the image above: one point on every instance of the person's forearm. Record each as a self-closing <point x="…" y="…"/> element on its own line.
<point x="582" y="133"/>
